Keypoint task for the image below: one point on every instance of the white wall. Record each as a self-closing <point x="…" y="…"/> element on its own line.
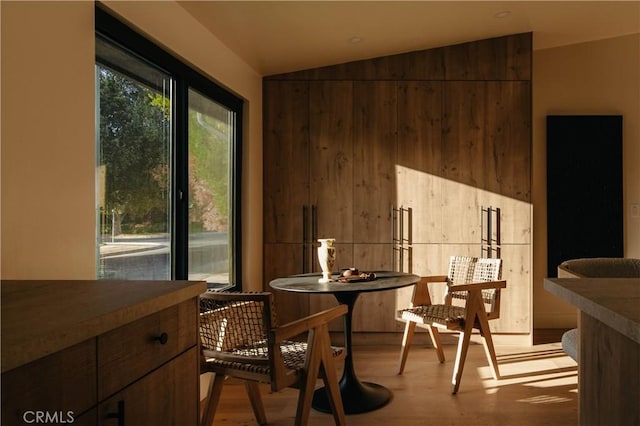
<point x="48" y="126"/>
<point x="600" y="77"/>
<point x="48" y="160"/>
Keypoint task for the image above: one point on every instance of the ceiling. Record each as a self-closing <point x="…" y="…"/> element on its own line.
<point x="281" y="36"/>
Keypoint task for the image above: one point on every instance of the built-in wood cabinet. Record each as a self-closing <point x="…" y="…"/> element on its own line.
<point x="131" y="351"/>
<point x="286" y="161"/>
<point x="309" y="183"/>
<point x="136" y="363"/>
<point x="332" y="161"/>
<point x="287" y="210"/>
<point x="441" y="133"/>
<point x="166" y="396"/>
<point x="375" y="146"/>
<point x="63" y="383"/>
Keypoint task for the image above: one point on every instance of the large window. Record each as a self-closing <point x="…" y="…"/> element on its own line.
<point x="168" y="165"/>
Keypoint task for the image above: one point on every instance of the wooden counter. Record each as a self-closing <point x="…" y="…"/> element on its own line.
<point x="104" y="343"/>
<point x="609" y="346"/>
<point x="43" y="317"/>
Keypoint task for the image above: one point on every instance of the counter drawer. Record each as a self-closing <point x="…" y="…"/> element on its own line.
<point x="167" y="396"/>
<point x="129" y="352"/>
<point x="62" y="384"/>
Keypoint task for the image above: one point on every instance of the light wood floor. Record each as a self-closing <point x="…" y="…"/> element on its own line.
<point x="538" y="387"/>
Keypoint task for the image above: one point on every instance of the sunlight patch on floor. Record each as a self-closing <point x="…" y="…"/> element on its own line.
<point x="556" y="382"/>
<point x="544" y="399"/>
<point x="541" y="368"/>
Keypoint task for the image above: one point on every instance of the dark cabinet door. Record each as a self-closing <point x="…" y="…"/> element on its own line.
<point x="165" y="397"/>
<point x="374" y="150"/>
<point x="486" y="152"/>
<point x="286" y="160"/>
<point x="507" y="135"/>
<point x="331" y="161"/>
<point x="281" y="260"/>
<point x="419" y="170"/>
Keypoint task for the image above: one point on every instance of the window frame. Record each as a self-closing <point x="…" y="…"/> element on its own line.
<point x="185" y="77"/>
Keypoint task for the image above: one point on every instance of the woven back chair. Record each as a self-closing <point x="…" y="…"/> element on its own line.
<point x="471" y="300"/>
<point x="240" y="338"/>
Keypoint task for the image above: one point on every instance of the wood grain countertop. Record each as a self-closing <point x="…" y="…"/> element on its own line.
<point x="43" y="317"/>
<point x="612" y="301"/>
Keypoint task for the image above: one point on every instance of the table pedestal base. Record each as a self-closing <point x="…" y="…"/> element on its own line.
<point x="357" y="397"/>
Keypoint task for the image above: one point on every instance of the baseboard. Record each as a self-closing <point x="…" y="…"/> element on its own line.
<point x="448" y="338"/>
<point x="556" y="319"/>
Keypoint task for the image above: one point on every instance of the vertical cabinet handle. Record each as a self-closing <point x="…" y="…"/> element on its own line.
<point x="314" y="223"/>
<point x="498" y="237"/>
<point x="118" y="415"/>
<point x="314" y="234"/>
<point x="490" y="245"/>
<point x="410" y="226"/>
<point x="393" y="237"/>
<point x="401" y="238"/>
<point x="305" y="220"/>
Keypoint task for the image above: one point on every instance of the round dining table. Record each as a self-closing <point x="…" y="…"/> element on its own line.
<point x="357" y="396"/>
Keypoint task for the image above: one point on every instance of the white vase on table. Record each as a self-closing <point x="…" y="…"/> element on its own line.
<point x="326" y="258"/>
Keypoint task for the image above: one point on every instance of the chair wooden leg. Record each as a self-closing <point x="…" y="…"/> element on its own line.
<point x="487" y="342"/>
<point x="409" y="330"/>
<point x="473" y="310"/>
<point x="308" y="381"/>
<point x="213" y="397"/>
<point x="461" y="356"/>
<point x="330" y="379"/>
<point x="437" y="343"/>
<point x="253" y="391"/>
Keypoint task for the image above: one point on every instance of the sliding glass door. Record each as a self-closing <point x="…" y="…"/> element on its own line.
<point x="168" y="143"/>
<point x="211" y="139"/>
<point x="134" y="168"/>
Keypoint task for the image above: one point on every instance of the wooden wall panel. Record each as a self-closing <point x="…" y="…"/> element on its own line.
<point x="463" y="132"/>
<point x="502" y="58"/>
<point x="419" y="125"/>
<point x="516" y="216"/>
<point x="460" y="213"/>
<point x="422" y="193"/>
<point x="443" y="131"/>
<point x="464" y="156"/>
<point x="286" y="159"/>
<point x="516" y="302"/>
<point x="420" y="65"/>
<point x="374" y="311"/>
<point x="281" y="260"/>
<point x="374" y="150"/>
<point x="508" y="140"/>
<point x="331" y="161"/>
<point x="419" y="164"/>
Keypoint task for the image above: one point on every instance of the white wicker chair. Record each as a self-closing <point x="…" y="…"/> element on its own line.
<point x="475" y="282"/>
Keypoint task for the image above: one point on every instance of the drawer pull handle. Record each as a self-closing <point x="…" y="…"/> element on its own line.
<point x="119" y="415"/>
<point x="162" y="338"/>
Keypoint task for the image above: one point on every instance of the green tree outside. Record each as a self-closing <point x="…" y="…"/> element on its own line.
<point x="135" y="135"/>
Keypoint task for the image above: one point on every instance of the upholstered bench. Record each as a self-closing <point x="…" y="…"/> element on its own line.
<point x="598" y="267"/>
